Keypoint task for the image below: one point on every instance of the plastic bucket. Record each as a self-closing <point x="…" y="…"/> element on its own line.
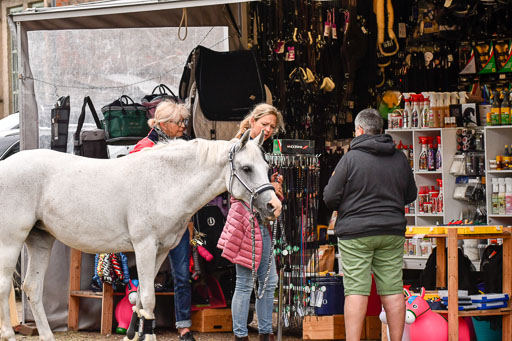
<point x="334" y="296"/>
<point x="484" y="332"/>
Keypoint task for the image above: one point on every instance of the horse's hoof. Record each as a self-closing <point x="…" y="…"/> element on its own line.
<point x="148" y="337"/>
<point x="135" y="338"/>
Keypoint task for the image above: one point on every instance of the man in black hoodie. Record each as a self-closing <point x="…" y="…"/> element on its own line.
<point x="369" y="188"/>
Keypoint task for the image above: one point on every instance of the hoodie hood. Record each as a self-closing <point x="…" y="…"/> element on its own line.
<point x="374" y="144"/>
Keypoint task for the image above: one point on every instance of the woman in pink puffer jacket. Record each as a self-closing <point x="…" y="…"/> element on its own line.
<point x="236" y="240"/>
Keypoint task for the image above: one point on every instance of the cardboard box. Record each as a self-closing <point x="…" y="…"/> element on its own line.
<point x="332" y="327"/>
<point x="212" y="320"/>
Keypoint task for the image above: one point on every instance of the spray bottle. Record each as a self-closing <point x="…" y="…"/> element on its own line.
<point x="425" y="113"/>
<point x="431" y="154"/>
<point x="434" y="108"/>
<point x="422" y="163"/>
<point x="445" y="119"/>
<point x="415" y="111"/>
<point x="439" y="157"/>
<point x="440" y="203"/>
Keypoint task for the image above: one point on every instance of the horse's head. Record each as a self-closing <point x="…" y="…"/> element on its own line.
<point x="248" y="177"/>
<point x="415" y="306"/>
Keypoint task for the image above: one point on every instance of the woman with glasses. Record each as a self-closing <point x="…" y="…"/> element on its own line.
<point x="170" y="123"/>
<point x="236" y="240"/>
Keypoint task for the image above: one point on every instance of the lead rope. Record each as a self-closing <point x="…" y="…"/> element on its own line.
<point x="259" y="294"/>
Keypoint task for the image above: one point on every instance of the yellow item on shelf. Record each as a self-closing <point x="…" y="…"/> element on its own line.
<point x="483" y="229"/>
<point x="425" y="230"/>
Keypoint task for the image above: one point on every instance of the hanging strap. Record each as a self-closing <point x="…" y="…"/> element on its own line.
<point x="81" y="119"/>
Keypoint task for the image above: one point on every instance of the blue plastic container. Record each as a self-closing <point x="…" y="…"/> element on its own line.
<point x="484" y="332"/>
<point x="334" y="295"/>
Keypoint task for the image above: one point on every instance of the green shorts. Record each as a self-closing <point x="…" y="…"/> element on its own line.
<point x="381" y="254"/>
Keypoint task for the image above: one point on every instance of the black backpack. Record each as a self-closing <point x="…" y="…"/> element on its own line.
<point x="210" y="220"/>
<point x="467" y="277"/>
<point x="491" y="266"/>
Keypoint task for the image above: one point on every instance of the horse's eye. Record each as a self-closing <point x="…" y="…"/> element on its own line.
<point x="415" y="306"/>
<point x="247" y="169"/>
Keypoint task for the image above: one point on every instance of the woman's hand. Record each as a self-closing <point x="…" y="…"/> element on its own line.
<point x="276" y="180"/>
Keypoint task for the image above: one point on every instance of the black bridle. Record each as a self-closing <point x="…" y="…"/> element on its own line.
<point x="253" y="191"/>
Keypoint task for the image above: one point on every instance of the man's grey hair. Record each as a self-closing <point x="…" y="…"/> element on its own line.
<point x="370" y="120"/>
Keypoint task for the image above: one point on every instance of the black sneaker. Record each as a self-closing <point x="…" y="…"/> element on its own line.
<point x="187" y="337"/>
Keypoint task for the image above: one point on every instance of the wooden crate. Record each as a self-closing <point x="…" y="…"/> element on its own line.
<point x="330" y="327"/>
<point x="212" y="320"/>
<point x="372" y="328"/>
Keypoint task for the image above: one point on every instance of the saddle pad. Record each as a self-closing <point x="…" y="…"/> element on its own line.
<point x="229" y="83"/>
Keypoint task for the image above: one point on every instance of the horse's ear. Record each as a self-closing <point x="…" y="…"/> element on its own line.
<point x="245" y="137"/>
<point x="407" y="294"/>
<point x="422" y="292"/>
<point x="261" y="138"/>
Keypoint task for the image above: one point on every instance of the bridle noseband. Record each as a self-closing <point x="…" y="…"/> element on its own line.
<point x="253" y="191"/>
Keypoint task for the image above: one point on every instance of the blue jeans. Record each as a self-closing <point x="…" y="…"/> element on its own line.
<point x="180" y="260"/>
<point x="243" y="290"/>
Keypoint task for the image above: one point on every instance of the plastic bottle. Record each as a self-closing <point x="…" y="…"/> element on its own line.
<point x="439" y="157"/>
<point x="434" y="110"/>
<point x="422" y="164"/>
<point x="431" y="155"/>
<point x="440" y="198"/>
<point x="445" y="121"/>
<point x="495" y="109"/>
<point x="425" y="113"/>
<point x="494" y="196"/>
<point x="415" y="111"/>
<point x="406" y="116"/>
<point x="501" y="196"/>
<point x="505" y="109"/>
<point x="508" y="196"/>
<point x="411" y="156"/>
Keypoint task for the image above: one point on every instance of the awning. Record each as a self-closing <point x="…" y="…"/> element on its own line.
<point x="125" y="14"/>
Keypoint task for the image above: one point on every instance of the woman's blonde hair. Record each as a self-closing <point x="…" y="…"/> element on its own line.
<point x="167" y="111"/>
<point x="258" y="112"/>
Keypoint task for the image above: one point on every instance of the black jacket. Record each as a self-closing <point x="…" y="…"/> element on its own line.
<point x="370" y="187"/>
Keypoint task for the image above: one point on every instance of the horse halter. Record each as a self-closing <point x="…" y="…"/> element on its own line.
<point x="253" y="191"/>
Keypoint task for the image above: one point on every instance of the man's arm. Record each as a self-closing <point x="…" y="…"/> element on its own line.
<point x="412" y="191"/>
<point x="333" y="192"/>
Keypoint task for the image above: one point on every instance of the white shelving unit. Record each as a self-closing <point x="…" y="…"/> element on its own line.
<point x="452" y="208"/>
<point x="496" y="137"/>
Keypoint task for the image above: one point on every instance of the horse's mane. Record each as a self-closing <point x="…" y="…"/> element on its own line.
<point x="207" y="151"/>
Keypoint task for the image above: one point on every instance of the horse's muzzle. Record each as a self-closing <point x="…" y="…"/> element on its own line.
<point x="274" y="206"/>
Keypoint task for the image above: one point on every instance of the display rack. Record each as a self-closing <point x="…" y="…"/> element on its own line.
<point x="451" y="239"/>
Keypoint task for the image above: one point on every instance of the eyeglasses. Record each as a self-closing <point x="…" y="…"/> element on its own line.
<point x="181" y="123"/>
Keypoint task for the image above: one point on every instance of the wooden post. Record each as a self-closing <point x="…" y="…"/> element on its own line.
<point x="441" y="263"/>
<point x="13" y="311"/>
<point x="453" y="286"/>
<point x="107" y="306"/>
<point x="507" y="282"/>
<point x="75" y="266"/>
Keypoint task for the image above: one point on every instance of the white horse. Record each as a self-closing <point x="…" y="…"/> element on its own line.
<point x="139" y="203"/>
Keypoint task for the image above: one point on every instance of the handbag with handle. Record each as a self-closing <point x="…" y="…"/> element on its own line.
<point x="90" y="143"/>
<point x="159" y="93"/>
<point x="125" y="121"/>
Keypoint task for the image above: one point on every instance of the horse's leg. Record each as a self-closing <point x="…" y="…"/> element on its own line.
<point x="131" y="332"/>
<point x="148" y="259"/>
<point x="8" y="258"/>
<point x="39" y="246"/>
<point x="10" y="247"/>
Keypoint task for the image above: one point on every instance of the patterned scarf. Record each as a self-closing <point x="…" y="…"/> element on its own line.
<point x="162" y="137"/>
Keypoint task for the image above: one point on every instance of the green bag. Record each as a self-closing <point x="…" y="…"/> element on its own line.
<point x="125" y="121"/>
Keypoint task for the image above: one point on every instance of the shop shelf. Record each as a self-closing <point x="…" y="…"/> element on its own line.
<point x="499" y="127"/>
<point x="500" y="215"/>
<point x="429" y="172"/>
<point x="429" y="214"/>
<point x="509" y="171"/>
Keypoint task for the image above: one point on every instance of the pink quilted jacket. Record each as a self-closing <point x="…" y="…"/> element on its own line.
<point x="235" y="240"/>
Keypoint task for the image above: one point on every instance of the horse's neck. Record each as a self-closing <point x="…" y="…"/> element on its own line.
<point x="200" y="183"/>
